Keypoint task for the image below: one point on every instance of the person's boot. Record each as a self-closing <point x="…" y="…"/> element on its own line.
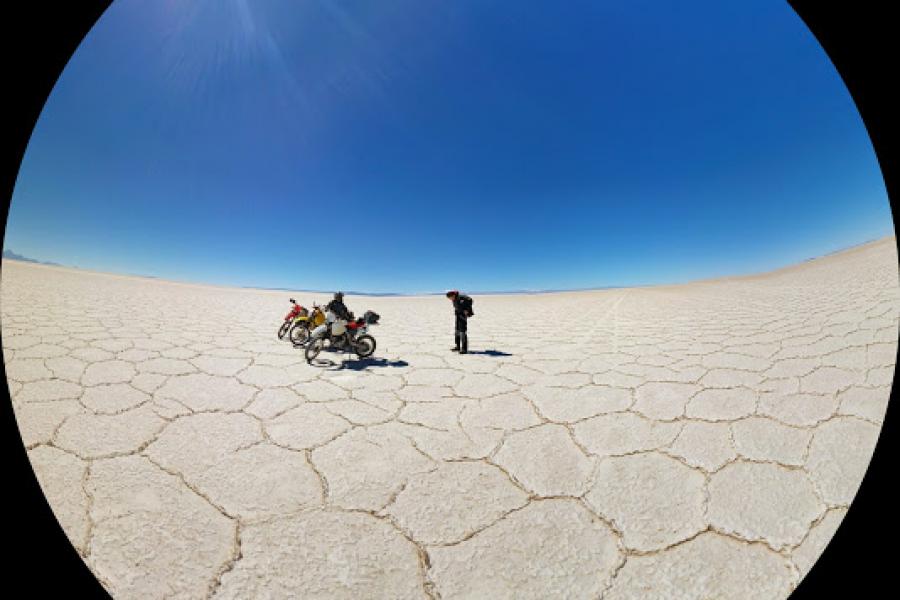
<point x="456" y="340"/>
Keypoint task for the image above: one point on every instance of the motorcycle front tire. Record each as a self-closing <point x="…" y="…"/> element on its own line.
<point x="313" y="349"/>
<point x="299" y="334"/>
<point x="282" y="331"/>
<point x="364" y="346"/>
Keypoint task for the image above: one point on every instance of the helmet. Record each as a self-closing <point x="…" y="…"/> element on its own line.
<point x="339" y="295"/>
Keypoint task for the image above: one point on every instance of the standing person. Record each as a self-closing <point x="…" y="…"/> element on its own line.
<point x="462" y="306"/>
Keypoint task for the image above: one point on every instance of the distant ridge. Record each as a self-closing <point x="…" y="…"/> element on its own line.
<point x="13" y="256"/>
<point x="839" y="250"/>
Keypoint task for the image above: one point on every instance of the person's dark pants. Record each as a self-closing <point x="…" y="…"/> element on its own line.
<point x="462" y="337"/>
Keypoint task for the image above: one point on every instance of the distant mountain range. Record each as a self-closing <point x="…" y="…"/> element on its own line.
<point x="13" y="256"/>
<point x="347" y="292"/>
<point x="472" y="293"/>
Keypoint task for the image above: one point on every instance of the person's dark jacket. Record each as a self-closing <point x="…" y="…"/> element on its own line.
<point x="462" y="304"/>
<point x="340" y="309"/>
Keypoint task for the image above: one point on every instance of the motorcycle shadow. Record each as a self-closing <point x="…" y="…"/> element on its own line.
<point x="358" y="364"/>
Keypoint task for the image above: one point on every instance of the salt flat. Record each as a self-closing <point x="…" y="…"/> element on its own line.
<point x="692" y="441"/>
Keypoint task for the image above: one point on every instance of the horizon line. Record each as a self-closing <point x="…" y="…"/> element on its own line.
<point x="19" y="258"/>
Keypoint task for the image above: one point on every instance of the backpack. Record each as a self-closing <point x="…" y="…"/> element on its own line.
<point x="466" y="301"/>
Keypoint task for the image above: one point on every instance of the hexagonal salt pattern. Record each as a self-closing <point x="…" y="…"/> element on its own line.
<point x="692" y="441"/>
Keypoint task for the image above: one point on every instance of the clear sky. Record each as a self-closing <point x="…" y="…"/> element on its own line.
<point x="417" y="145"/>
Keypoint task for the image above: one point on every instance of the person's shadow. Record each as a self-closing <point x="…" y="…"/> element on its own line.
<point x="489" y="352"/>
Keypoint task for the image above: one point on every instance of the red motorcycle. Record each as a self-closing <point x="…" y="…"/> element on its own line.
<point x="296" y="312"/>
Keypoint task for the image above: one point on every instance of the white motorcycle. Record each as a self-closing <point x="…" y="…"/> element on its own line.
<point x="343" y="335"/>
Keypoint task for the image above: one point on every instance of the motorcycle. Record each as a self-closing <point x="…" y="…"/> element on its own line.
<point x="352" y="336"/>
<point x="304" y="324"/>
<point x="296" y="312"/>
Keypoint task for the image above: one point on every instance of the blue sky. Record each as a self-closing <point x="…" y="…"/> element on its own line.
<point x="420" y="145"/>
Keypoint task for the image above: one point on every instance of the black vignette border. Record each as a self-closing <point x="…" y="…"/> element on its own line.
<point x="860" y="39"/>
<point x="39" y="38"/>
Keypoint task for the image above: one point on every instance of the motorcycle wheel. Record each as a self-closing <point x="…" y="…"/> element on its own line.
<point x="299" y="334"/>
<point x="364" y="346"/>
<point x="313" y="349"/>
<point x="282" y="331"/>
